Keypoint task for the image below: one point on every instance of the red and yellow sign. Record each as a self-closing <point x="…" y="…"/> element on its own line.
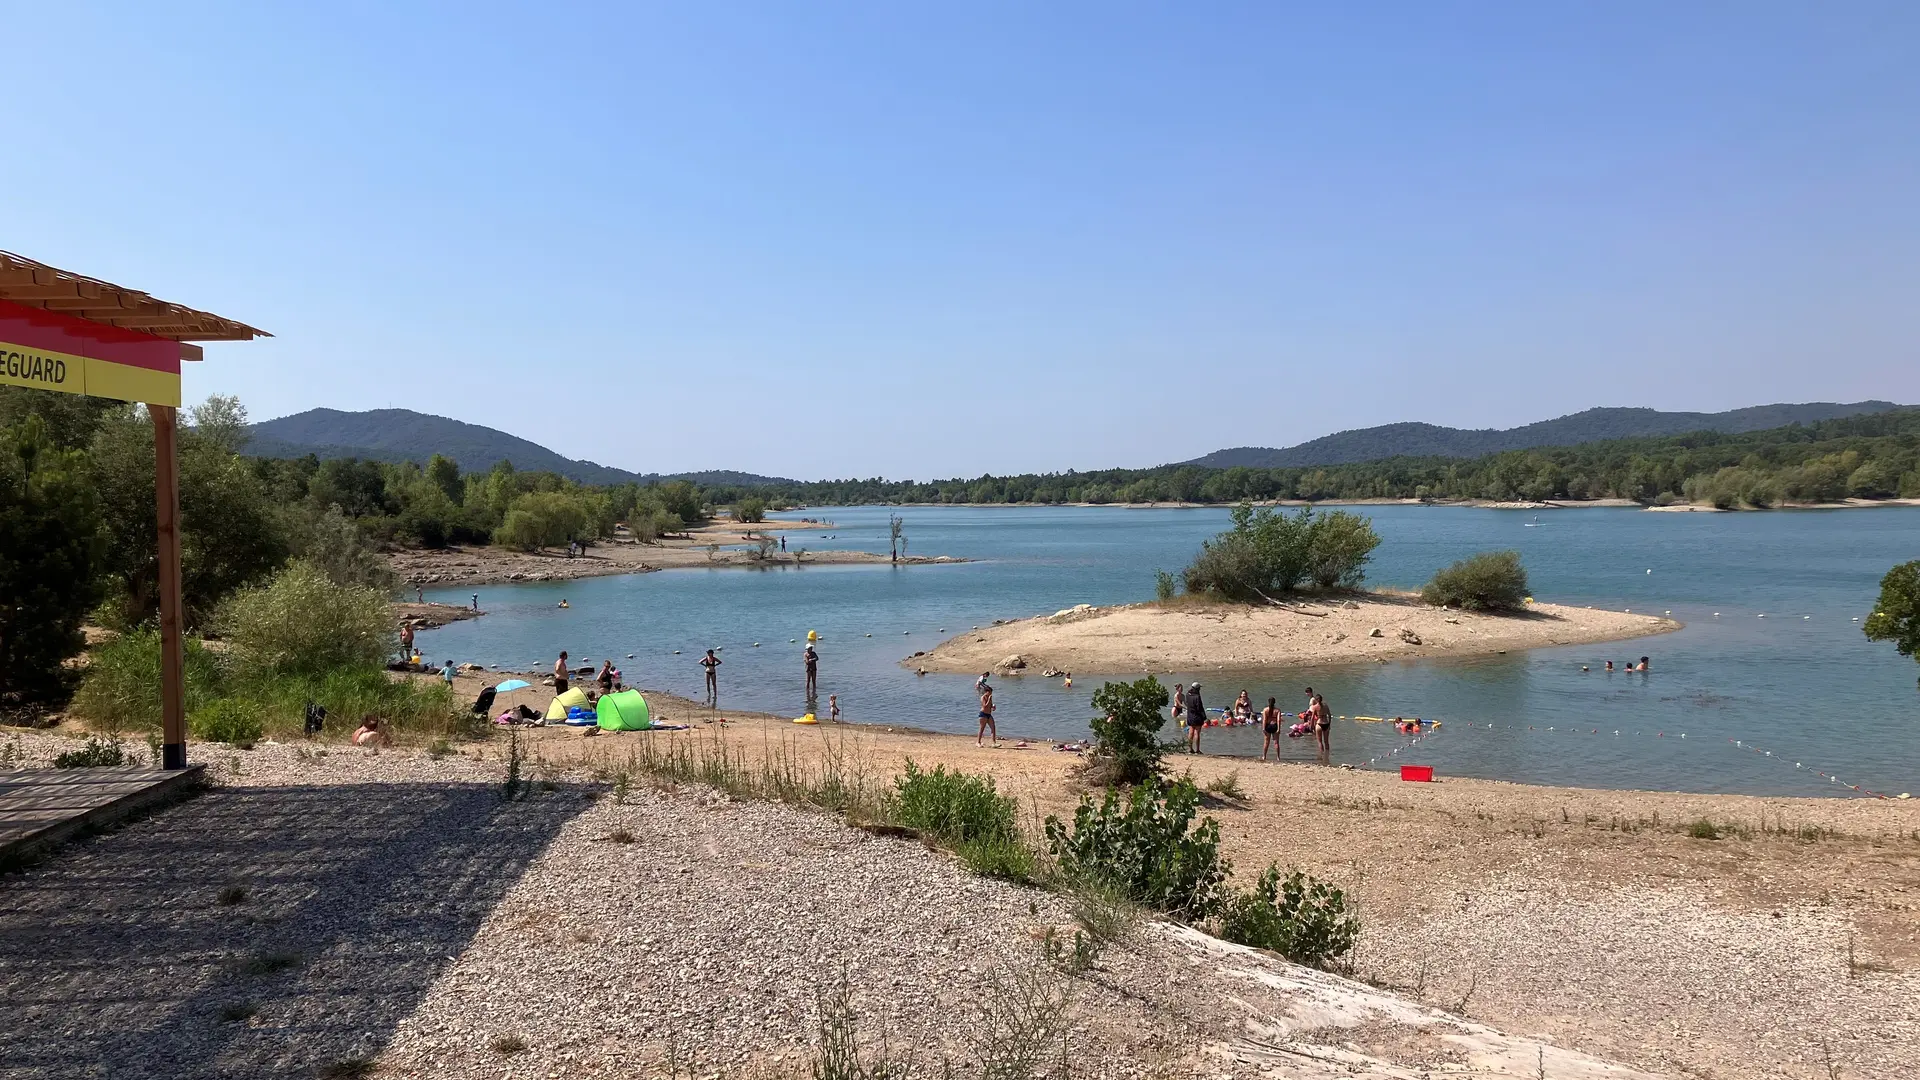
<point x="48" y="350"/>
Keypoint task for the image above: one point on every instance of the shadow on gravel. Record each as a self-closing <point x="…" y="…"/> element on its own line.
<point x="272" y="931"/>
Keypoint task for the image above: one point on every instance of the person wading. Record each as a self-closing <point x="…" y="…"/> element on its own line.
<point x="712" y="664"/>
<point x="986" y="712"/>
<point x="1322" y="723"/>
<point x="813" y="673"/>
<point x="1196" y="718"/>
<point x="1270" y="727"/>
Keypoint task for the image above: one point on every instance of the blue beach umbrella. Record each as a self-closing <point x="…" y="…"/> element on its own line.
<point x="512" y="684"/>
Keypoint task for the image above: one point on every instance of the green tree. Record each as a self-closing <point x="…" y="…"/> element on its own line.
<point x="750" y="511"/>
<point x="444" y="473"/>
<point x="543" y="518"/>
<point x="341" y="550"/>
<point x="231" y="534"/>
<point x="221" y="421"/>
<point x="1896" y="617"/>
<point x="1339" y="544"/>
<point x="51" y="549"/>
<point x="1126" y="732"/>
<point x="682" y="498"/>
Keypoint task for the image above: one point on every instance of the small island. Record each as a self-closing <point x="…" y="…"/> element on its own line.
<point x="1285" y="589"/>
<point x="1187" y="636"/>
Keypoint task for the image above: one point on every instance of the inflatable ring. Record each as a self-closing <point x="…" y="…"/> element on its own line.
<point x="807" y="719"/>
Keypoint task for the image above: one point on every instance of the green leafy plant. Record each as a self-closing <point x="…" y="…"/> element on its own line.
<point x="121" y="688"/>
<point x="1164" y="586"/>
<point x="1301" y="918"/>
<point x="1268" y="552"/>
<point x="1127" y="747"/>
<point x="51" y="532"/>
<point x="235" y="721"/>
<point x="1488" y="581"/>
<point x="97" y="753"/>
<point x="965" y="813"/>
<point x="1145" y="847"/>
<point x="301" y="622"/>
<point x="1896" y="617"/>
<point x="750" y="511"/>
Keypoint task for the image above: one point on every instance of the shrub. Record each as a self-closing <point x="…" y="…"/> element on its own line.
<point x="1489" y="581"/>
<point x="750" y="511"/>
<point x="1145" y="848"/>
<point x="1299" y="917"/>
<point x="1896" y="615"/>
<point x="1127" y="745"/>
<point x="301" y="622"/>
<point x="341" y="550"/>
<point x="121" y="688"/>
<point x="235" y="721"/>
<point x="407" y="706"/>
<point x="1268" y="552"/>
<point x="952" y="807"/>
<point x="543" y="518"/>
<point x="96" y="753"/>
<point x="1005" y="857"/>
<point x="1163" y="586"/>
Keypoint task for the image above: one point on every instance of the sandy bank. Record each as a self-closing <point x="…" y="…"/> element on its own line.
<point x="722" y="544"/>
<point x="1203" y="637"/>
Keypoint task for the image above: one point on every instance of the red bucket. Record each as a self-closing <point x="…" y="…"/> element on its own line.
<point x="1421" y="773"/>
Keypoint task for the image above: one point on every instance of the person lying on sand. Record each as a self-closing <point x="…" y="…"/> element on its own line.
<point x="369" y="733"/>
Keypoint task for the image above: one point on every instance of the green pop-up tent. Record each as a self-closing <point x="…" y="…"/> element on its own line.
<point x="624" y="711"/>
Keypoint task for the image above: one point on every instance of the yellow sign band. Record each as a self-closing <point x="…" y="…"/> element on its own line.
<point x="22" y="365"/>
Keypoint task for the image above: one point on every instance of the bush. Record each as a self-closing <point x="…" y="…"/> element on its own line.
<point x="1163" y="586"/>
<point x="750" y="511"/>
<point x="1145" y="849"/>
<point x="1005" y="857"/>
<point x="1126" y="735"/>
<point x="341" y="550"/>
<point x="951" y="807"/>
<point x="121" y="688"/>
<point x="1300" y="917"/>
<point x="408" y="706"/>
<point x="1489" y="581"/>
<point x="1268" y="552"/>
<point x="95" y="754"/>
<point x="301" y="622"/>
<point x="235" y="721"/>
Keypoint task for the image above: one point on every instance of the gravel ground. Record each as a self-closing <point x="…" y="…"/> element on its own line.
<point x="397" y="911"/>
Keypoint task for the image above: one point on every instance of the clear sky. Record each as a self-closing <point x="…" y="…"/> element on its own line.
<point x="832" y="239"/>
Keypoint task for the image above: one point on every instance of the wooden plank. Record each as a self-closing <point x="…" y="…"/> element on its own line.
<point x="40" y="808"/>
<point x="173" y="699"/>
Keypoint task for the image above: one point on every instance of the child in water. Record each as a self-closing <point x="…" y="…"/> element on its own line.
<point x="833" y="707"/>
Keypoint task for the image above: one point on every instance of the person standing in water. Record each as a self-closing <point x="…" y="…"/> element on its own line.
<point x="1196" y="718"/>
<point x="1179" y="705"/>
<point x="1322" y="726"/>
<point x="712" y="664"/>
<point x="1270" y="727"/>
<point x="813" y="672"/>
<point x="986" y="712"/>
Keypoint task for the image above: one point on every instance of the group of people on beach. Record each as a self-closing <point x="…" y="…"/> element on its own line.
<point x="1190" y="712"/>
<point x="809" y="660"/>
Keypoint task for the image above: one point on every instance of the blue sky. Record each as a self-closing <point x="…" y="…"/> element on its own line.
<point x="915" y="240"/>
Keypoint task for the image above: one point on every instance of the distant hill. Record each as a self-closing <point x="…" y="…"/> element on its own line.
<point x="1593" y="425"/>
<point x="405" y="435"/>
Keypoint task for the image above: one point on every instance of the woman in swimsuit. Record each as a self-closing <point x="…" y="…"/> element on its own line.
<point x="1270" y="724"/>
<point x="1322" y="725"/>
<point x="986" y="715"/>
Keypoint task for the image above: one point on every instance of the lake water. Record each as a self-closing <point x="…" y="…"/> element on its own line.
<point x="1803" y="682"/>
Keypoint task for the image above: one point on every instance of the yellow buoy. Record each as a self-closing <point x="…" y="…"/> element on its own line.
<point x="813" y="635"/>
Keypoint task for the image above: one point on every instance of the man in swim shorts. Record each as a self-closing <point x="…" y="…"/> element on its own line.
<point x="813" y="672"/>
<point x="560" y="673"/>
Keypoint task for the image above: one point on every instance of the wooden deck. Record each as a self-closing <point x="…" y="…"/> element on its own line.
<point x="40" y="808"/>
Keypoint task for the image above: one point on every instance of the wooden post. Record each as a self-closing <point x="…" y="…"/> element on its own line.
<point x="173" y="690"/>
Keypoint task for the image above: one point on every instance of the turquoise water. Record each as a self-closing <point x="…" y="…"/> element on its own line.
<point x="1812" y="689"/>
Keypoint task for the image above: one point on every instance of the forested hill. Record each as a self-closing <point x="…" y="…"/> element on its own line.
<point x="1593" y="425"/>
<point x="398" y="435"/>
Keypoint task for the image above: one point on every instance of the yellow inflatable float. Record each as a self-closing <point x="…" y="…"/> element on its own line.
<point x="807" y="719"/>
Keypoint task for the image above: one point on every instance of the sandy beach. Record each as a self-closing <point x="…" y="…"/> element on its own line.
<point x="1190" y="636"/>
<point x="718" y="544"/>
<point x="1598" y="919"/>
